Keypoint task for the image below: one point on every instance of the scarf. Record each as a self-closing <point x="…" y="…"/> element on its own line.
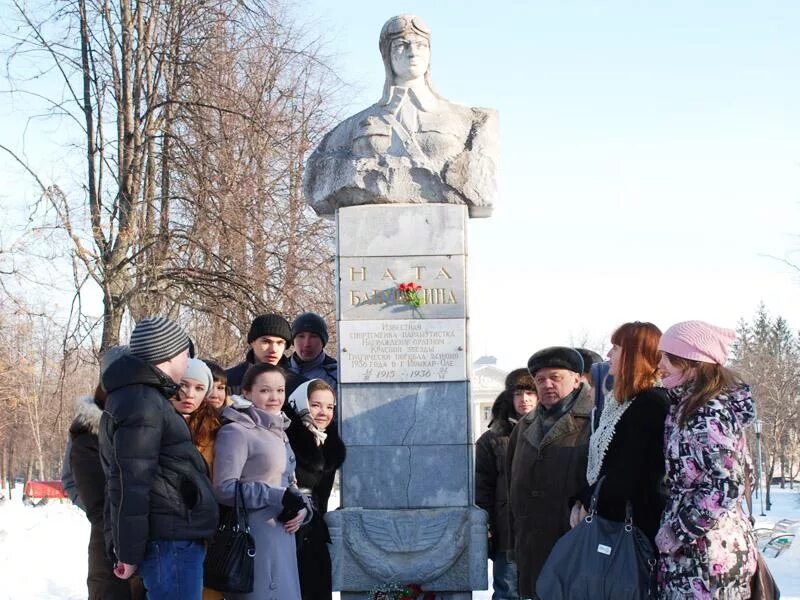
<point x="602" y="436"/>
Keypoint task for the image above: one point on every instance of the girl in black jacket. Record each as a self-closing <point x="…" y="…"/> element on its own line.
<point x="87" y="472"/>
<point x="319" y="452"/>
<point x="627" y="446"/>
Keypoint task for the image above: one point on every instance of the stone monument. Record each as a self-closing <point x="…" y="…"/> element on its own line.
<point x="412" y="146"/>
<point x="402" y="177"/>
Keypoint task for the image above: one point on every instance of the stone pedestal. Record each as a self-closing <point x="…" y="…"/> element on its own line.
<point x="407" y="511"/>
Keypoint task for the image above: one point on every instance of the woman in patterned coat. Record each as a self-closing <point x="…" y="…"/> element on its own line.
<point x="705" y="542"/>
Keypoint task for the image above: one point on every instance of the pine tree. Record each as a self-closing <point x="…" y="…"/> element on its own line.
<point x="766" y="354"/>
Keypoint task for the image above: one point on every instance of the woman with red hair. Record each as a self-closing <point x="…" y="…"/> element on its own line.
<point x="627" y="446"/>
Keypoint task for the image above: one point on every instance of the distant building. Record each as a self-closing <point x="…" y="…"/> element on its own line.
<point x="486" y="383"/>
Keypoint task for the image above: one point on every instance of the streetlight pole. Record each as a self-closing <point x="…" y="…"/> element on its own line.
<point x="757" y="427"/>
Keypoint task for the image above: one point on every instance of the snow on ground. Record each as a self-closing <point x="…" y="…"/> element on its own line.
<point x="785" y="568"/>
<point x="43" y="550"/>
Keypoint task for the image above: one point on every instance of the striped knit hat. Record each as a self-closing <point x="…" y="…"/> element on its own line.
<point x="157" y="339"/>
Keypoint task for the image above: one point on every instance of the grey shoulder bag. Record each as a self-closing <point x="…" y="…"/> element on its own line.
<point x="599" y="559"/>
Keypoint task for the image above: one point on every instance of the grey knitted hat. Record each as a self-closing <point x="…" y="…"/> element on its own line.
<point x="157" y="339"/>
<point x="199" y="371"/>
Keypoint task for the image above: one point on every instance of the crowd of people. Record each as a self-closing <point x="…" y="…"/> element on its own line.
<point x="168" y="439"/>
<point x="655" y="434"/>
<point x="159" y="449"/>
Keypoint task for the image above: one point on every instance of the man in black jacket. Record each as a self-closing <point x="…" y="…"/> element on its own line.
<point x="159" y="503"/>
<point x="309" y="360"/>
<point x="268" y="338"/>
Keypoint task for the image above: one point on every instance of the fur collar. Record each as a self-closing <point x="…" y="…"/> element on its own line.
<point x="87" y="414"/>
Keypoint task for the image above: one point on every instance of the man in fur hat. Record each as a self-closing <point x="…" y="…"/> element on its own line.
<point x="547" y="456"/>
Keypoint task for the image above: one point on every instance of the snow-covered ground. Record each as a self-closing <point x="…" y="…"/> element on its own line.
<point x="43" y="550"/>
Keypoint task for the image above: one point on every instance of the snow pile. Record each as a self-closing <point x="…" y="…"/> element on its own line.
<point x="43" y="552"/>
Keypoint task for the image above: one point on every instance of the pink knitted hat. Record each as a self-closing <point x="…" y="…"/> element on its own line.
<point x="697" y="340"/>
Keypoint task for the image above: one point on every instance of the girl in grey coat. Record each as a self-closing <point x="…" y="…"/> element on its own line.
<point x="252" y="447"/>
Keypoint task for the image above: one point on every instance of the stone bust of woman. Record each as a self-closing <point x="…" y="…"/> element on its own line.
<point x="412" y="146"/>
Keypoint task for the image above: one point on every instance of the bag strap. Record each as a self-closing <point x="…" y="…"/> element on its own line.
<point x="239" y="508"/>
<point x="596" y="496"/>
<point x="595" y="500"/>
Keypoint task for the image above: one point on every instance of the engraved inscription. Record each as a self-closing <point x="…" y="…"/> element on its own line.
<point x="368" y="287"/>
<point x="403" y="350"/>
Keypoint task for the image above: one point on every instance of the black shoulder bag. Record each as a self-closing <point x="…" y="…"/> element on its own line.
<point x="228" y="565"/>
<point x="599" y="559"/>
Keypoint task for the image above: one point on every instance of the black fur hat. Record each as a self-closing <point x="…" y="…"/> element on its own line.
<point x="556" y="357"/>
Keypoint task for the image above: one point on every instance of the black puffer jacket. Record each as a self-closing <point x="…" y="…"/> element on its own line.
<point x="90" y="484"/>
<point x="157" y="482"/>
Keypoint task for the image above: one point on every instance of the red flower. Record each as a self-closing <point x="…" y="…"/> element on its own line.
<point x="402" y="287"/>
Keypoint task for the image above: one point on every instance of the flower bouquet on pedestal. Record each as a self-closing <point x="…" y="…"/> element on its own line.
<point x="409" y="293"/>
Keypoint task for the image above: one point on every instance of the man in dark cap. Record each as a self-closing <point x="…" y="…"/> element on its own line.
<point x="547" y="456"/>
<point x="309" y="337"/>
<point x="268" y="338"/>
<point x="159" y="506"/>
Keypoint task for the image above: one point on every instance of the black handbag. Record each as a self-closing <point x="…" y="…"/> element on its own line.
<point x="599" y="559"/>
<point x="228" y="566"/>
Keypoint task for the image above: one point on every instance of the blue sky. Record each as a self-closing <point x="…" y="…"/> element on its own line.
<point x="650" y="156"/>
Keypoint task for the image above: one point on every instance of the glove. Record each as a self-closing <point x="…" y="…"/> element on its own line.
<point x="292" y="503"/>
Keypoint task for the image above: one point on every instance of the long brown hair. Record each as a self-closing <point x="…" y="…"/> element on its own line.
<point x="638" y="359"/>
<point x="204" y="424"/>
<point x="708" y="380"/>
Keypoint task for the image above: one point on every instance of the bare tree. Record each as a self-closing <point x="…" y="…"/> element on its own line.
<point x="196" y="117"/>
<point x="33" y="378"/>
